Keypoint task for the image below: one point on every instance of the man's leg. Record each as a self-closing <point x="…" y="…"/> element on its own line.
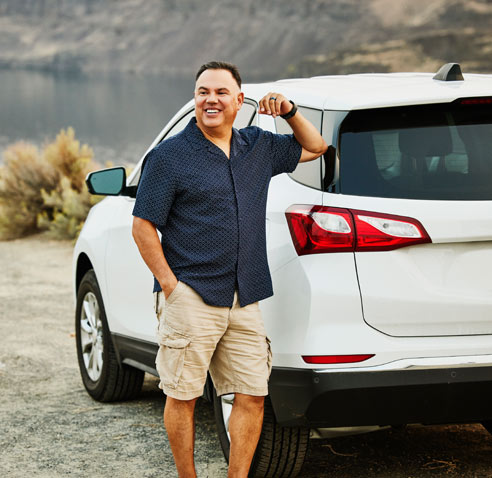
<point x="179" y="420"/>
<point x="183" y="372"/>
<point x="245" y="428"/>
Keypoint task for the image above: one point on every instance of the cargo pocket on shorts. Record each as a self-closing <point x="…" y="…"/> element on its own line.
<point x="171" y="355"/>
<point x="269" y="355"/>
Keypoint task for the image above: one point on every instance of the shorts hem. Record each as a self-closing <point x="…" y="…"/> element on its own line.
<point x="176" y="394"/>
<point x="253" y="391"/>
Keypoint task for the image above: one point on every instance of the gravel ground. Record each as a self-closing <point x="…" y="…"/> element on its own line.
<point x="50" y="427"/>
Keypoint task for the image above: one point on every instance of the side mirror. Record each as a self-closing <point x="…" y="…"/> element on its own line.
<point x="107" y="182"/>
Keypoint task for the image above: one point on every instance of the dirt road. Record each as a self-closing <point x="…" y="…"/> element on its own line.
<point x="50" y="427"/>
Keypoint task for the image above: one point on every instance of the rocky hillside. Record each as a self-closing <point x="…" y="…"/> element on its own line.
<point x="266" y="39"/>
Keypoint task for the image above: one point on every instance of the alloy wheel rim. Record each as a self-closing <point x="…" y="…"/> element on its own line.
<point x="226" y="402"/>
<point x="91" y="336"/>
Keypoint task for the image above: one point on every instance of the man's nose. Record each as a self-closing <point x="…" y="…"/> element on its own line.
<point x="212" y="98"/>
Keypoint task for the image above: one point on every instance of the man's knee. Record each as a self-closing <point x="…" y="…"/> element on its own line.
<point x="180" y="405"/>
<point x="249" y="402"/>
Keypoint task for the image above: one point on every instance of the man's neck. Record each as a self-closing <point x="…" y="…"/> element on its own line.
<point x="215" y="135"/>
<point x="221" y="138"/>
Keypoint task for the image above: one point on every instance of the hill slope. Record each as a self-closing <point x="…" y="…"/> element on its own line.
<point x="266" y="39"/>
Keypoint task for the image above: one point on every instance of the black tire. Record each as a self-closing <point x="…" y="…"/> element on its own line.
<point x="110" y="382"/>
<point x="281" y="450"/>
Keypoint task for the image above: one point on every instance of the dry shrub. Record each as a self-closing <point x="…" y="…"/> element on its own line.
<point x="70" y="159"/>
<point x="45" y="191"/>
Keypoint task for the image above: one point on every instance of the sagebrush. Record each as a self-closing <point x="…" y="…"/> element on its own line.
<point x="44" y="190"/>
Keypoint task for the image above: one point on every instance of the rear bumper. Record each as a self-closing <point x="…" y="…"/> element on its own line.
<point x="316" y="399"/>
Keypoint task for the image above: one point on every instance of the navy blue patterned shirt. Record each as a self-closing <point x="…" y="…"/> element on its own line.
<point x="211" y="210"/>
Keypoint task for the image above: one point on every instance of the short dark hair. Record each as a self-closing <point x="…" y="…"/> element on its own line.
<point x="221" y="65"/>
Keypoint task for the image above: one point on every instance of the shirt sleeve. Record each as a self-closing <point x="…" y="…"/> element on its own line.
<point x="156" y="189"/>
<point x="285" y="152"/>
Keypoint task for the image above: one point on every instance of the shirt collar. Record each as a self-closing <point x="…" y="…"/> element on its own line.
<point x="197" y="140"/>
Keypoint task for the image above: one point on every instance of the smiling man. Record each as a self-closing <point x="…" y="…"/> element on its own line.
<point x="205" y="190"/>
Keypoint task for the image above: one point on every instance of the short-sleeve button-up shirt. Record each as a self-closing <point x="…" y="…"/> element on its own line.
<point x="211" y="209"/>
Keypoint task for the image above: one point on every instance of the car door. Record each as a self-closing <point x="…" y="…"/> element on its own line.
<point x="129" y="281"/>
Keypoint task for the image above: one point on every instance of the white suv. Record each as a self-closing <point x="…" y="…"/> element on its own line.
<point x="381" y="259"/>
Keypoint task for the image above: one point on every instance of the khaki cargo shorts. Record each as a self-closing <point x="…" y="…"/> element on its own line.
<point x="195" y="337"/>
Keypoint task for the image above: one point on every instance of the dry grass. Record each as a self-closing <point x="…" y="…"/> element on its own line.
<point x="45" y="190"/>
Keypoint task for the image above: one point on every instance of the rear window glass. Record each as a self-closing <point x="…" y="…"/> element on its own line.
<point x="418" y="152"/>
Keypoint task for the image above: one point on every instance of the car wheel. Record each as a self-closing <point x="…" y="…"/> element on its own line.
<point x="281" y="450"/>
<point x="103" y="377"/>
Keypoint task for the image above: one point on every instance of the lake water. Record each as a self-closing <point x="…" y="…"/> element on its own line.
<point x="117" y="116"/>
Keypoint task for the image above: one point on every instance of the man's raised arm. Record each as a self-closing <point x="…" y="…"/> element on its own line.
<point x="313" y="144"/>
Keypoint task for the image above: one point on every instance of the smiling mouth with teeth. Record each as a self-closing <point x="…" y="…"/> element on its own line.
<point x="212" y="111"/>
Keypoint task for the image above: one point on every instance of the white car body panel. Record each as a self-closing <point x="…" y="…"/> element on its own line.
<point x="131" y="279"/>
<point x="93" y="242"/>
<point x="363" y="91"/>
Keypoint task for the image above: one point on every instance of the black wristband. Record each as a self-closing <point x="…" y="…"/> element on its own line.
<point x="291" y="113"/>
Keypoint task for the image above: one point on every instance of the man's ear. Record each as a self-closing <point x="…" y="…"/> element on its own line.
<point x="240" y="100"/>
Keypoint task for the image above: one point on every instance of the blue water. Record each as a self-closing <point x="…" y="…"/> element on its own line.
<point x="117" y="116"/>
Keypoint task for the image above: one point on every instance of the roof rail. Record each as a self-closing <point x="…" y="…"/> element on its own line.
<point x="449" y="72"/>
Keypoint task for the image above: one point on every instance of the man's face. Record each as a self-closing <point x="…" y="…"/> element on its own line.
<point x="217" y="100"/>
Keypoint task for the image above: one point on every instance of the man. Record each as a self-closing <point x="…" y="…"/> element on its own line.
<point x="205" y="190"/>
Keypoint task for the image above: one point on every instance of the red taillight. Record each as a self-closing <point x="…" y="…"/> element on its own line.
<point x="329" y="359"/>
<point x="385" y="232"/>
<point x="476" y="101"/>
<point x="321" y="229"/>
<point x="317" y="229"/>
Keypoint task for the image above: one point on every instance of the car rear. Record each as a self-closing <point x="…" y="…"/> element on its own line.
<point x="411" y="205"/>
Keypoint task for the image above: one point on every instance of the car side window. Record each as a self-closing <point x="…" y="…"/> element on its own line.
<point x="178" y="126"/>
<point x="246" y="114"/>
<point x="308" y="173"/>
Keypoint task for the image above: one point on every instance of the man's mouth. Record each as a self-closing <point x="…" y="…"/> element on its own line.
<point x="211" y="111"/>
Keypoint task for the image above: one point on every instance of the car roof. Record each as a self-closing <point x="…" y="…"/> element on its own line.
<point x="373" y="90"/>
